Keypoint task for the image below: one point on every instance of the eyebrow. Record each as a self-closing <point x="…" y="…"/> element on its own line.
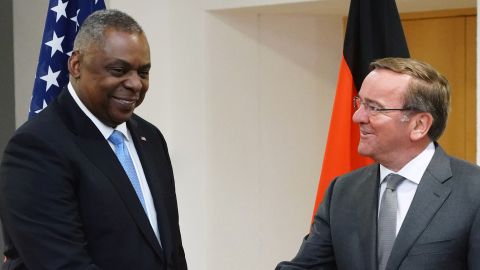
<point x="373" y="102"/>
<point x="149" y="65"/>
<point x="117" y="61"/>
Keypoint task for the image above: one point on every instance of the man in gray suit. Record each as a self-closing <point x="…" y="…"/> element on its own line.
<point x="429" y="218"/>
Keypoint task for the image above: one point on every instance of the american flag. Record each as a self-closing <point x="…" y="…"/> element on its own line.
<point x="61" y="26"/>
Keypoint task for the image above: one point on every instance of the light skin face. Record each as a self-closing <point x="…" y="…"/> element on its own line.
<point x="391" y="138"/>
<point x="111" y="79"/>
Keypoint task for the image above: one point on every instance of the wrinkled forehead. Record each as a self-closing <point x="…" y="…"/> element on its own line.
<point x="382" y="85"/>
<point x="386" y="81"/>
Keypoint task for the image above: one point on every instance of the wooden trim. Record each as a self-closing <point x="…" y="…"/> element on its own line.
<point x="429" y="14"/>
<point x="439" y="14"/>
<point x="470" y="84"/>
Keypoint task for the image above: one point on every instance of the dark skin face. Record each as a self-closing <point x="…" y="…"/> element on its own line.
<point x="111" y="79"/>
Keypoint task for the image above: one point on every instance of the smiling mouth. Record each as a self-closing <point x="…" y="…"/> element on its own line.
<point x="125" y="104"/>
<point x="364" y="133"/>
<point x="125" y="101"/>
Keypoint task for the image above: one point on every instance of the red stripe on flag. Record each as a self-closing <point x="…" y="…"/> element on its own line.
<point x="373" y="31"/>
<point x="343" y="135"/>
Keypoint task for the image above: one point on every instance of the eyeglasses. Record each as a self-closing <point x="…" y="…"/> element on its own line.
<point x="372" y="109"/>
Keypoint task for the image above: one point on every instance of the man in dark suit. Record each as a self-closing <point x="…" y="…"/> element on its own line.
<point x="87" y="184"/>
<point x="429" y="218"/>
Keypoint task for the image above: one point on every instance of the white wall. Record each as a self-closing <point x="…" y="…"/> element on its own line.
<point x="28" y="23"/>
<point x="270" y="86"/>
<point x="222" y="4"/>
<point x="244" y="101"/>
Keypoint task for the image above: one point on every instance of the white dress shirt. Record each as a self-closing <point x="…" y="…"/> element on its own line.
<point x="106" y="132"/>
<point x="413" y="172"/>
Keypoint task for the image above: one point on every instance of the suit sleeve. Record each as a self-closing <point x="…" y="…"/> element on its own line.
<point x="39" y="207"/>
<point x="316" y="251"/>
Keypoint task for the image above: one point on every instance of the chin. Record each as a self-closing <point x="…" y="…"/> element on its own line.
<point x="363" y="151"/>
<point x="122" y="117"/>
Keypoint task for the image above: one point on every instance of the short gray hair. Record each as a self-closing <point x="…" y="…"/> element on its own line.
<point x="428" y="91"/>
<point x="94" y="26"/>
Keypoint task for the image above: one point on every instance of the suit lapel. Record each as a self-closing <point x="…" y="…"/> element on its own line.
<point x="367" y="217"/>
<point x="96" y="148"/>
<point x="147" y="154"/>
<point x="429" y="197"/>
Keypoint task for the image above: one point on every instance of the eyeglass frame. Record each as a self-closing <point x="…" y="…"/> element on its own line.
<point x="373" y="110"/>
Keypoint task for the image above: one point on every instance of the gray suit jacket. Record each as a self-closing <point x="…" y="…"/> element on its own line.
<point x="441" y="229"/>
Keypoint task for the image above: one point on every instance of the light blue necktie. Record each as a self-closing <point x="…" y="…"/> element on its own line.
<point x="123" y="156"/>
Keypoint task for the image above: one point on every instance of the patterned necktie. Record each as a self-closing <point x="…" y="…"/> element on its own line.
<point x="387" y="220"/>
<point x="123" y="156"/>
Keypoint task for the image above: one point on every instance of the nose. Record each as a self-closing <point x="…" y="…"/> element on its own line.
<point x="360" y="116"/>
<point x="133" y="81"/>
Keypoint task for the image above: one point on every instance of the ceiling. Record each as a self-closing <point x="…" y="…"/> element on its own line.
<point x="340" y="7"/>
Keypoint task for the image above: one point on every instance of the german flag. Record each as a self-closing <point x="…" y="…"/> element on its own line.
<point x="373" y="31"/>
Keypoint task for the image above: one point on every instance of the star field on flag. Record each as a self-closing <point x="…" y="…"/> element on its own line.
<point x="61" y="25"/>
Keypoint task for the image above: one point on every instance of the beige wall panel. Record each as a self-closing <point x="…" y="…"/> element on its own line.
<point x="471" y="62"/>
<point x="441" y="42"/>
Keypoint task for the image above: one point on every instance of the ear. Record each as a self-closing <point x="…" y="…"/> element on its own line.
<point x="74" y="64"/>
<point x="422" y="122"/>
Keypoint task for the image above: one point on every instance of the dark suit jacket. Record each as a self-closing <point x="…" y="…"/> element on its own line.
<point x="66" y="202"/>
<point x="441" y="229"/>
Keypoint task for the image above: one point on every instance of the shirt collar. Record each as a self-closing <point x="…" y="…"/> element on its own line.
<point x="104" y="129"/>
<point x="415" y="168"/>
